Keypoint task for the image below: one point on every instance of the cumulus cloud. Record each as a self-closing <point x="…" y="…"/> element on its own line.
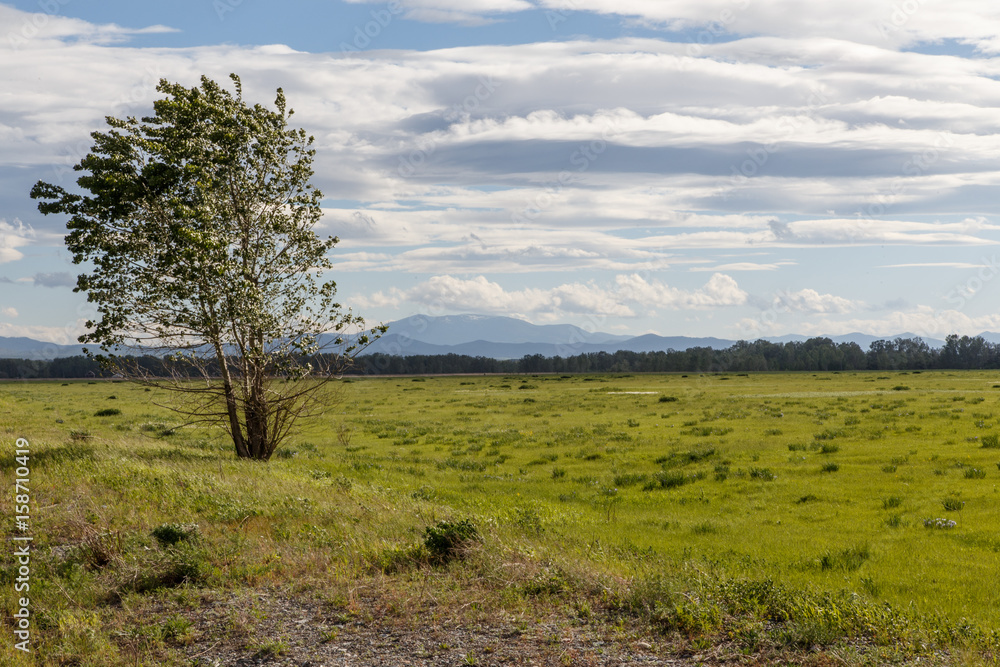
<point x="922" y="321"/>
<point x="9" y="312"/>
<point x="630" y="296"/>
<point x="720" y="290"/>
<point x="484" y="296"/>
<point x="14" y="235"/>
<point x="811" y="301"/>
<point x="65" y="335"/>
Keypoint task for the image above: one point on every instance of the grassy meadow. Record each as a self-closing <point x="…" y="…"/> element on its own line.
<point x="765" y="512"/>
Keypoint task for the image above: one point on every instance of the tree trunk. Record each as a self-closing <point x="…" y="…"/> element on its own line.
<point x="232" y="410"/>
<point x="255" y="414"/>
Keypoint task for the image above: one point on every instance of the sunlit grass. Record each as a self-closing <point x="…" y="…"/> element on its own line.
<point x="821" y="484"/>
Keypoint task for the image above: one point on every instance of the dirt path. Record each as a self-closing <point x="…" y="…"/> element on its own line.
<point x="272" y="630"/>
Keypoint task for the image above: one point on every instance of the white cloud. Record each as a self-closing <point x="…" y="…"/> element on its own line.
<point x="887" y="22"/>
<point x="922" y="321"/>
<point x="65" y="335"/>
<point x="630" y="296"/>
<point x="484" y="296"/>
<point x="720" y="290"/>
<point x="9" y="312"/>
<point x="32" y="30"/>
<point x="947" y="265"/>
<point x="811" y="301"/>
<point x="14" y="235"/>
<point x="744" y="266"/>
<point x="466" y="12"/>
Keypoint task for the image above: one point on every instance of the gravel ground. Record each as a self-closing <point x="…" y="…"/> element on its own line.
<point x="275" y="630"/>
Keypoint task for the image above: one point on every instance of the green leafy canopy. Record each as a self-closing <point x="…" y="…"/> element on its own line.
<point x="199" y="226"/>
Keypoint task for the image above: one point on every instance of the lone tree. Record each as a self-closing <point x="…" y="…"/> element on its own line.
<point x="199" y="224"/>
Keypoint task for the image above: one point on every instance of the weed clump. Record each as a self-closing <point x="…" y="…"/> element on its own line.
<point x="108" y="412"/>
<point x="848" y="560"/>
<point x="892" y="502"/>
<point x="450" y="539"/>
<point x="670" y="480"/>
<point x="953" y="504"/>
<point x="169" y="534"/>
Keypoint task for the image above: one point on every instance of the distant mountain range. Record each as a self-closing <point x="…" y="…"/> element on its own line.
<point x="510" y="338"/>
<point x="29" y="348"/>
<point x="498" y="338"/>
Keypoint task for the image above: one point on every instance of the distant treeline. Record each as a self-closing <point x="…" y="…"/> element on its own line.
<point x="815" y="354"/>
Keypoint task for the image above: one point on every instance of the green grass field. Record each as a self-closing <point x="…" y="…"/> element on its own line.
<point x="765" y="511"/>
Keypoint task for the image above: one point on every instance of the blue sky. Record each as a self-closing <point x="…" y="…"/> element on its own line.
<point x="733" y="168"/>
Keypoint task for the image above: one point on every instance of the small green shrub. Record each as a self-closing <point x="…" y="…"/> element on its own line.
<point x="991" y="441"/>
<point x="849" y="559"/>
<point x="830" y="467"/>
<point x="762" y="473"/>
<point x="668" y="399"/>
<point x="670" y="480"/>
<point x="952" y="504"/>
<point x="892" y="502"/>
<point x="975" y="473"/>
<point x="107" y="412"/>
<point x="829" y="448"/>
<point x="450" y="539"/>
<point x="169" y="534"/>
<point x="630" y="479"/>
